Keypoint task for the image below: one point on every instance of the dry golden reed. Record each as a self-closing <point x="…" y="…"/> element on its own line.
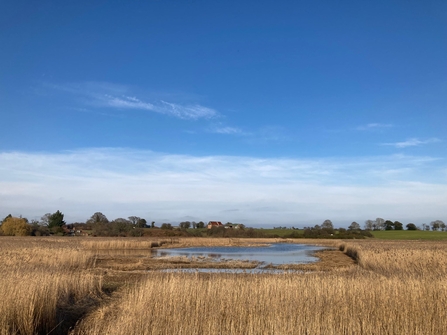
<point x="331" y="303"/>
<point x="40" y="278"/>
<point x="117" y="243"/>
<point x="395" y="288"/>
<point x="398" y="258"/>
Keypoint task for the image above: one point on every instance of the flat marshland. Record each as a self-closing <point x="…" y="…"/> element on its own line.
<point x="81" y="286"/>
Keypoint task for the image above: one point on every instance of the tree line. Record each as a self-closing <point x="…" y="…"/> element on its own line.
<point x="99" y="225"/>
<point x="382" y="224"/>
<point x="54" y="223"/>
<point x="327" y="230"/>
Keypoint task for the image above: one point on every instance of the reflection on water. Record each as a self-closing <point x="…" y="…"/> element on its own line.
<point x="275" y="254"/>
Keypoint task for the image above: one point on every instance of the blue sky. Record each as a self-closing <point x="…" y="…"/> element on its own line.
<point x="262" y="112"/>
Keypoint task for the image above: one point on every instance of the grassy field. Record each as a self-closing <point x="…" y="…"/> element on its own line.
<point x="409" y="235"/>
<point x="382" y="234"/>
<point x="64" y="286"/>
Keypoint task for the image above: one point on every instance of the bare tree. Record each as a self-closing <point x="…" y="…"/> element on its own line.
<point x="327" y="224"/>
<point x="134" y="219"/>
<point x="354" y="226"/>
<point x="369" y="225"/>
<point x="380" y="224"/>
<point x="437" y="224"/>
<point x="185" y="224"/>
<point x="98" y="217"/>
<point x="44" y="220"/>
<point x="137" y="221"/>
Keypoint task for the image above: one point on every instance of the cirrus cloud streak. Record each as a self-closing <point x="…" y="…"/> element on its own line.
<point x="413" y="142"/>
<point x="107" y="95"/>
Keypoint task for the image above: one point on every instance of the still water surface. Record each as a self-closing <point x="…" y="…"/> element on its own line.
<point x="275" y="254"/>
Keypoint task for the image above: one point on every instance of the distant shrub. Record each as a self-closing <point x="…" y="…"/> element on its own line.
<point x="411" y="226"/>
<point x="166" y="226"/>
<point x="294" y="234"/>
<point x="13" y="226"/>
<point x="40" y="230"/>
<point x="229" y="232"/>
<point x="332" y="234"/>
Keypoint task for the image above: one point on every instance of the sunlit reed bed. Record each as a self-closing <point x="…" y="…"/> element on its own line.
<point x="392" y="290"/>
<point x="41" y="279"/>
<point x="354" y="302"/>
<point x="51" y="285"/>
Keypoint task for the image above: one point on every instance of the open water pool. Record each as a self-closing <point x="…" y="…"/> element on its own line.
<point x="274" y="254"/>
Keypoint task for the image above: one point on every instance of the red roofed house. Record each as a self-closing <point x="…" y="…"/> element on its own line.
<point x="212" y="224"/>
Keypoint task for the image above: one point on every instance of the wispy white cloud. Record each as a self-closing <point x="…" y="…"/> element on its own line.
<point x="264" y="134"/>
<point x="125" y="102"/>
<point x="106" y="95"/>
<point x="226" y="130"/>
<point x="412" y="142"/>
<point x="193" y="112"/>
<point x="181" y="111"/>
<point x="123" y="182"/>
<point x="107" y="98"/>
<point x="186" y="111"/>
<point x="374" y="126"/>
